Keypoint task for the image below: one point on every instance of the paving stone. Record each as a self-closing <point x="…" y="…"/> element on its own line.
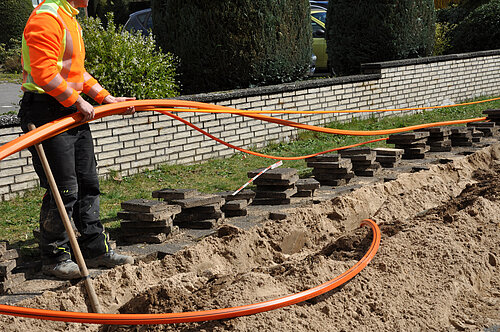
<point x="343" y="163"/>
<point x="362" y="158"/>
<point x="388" y="159"/>
<point x="304" y="193"/>
<point x="6" y="267"/>
<point x="274" y="174"/>
<point x="200" y="224"/>
<point x="245" y="194"/>
<point x="326" y="176"/>
<point x="190" y="215"/>
<point x="342" y="170"/>
<point x="259" y="181"/>
<point x="151" y="217"/>
<point x="355" y="151"/>
<point x="273" y="188"/>
<point x="199" y="201"/>
<point x="271" y="201"/>
<point x="414" y="156"/>
<point x="14" y="280"/>
<point x="235" y="205"/>
<point x="481" y="124"/>
<point x="307" y="184"/>
<point x="334" y="182"/>
<point x="151" y="227"/>
<point x="327" y="157"/>
<point x="388" y="152"/>
<point x="235" y="213"/>
<point x="3" y="246"/>
<point x="8" y="255"/>
<point x="144" y="205"/>
<point x="145" y="238"/>
<point x="275" y="194"/>
<point x="405" y="138"/>
<point x="169" y="194"/>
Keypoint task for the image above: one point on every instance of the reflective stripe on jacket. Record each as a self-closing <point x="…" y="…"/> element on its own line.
<point x="53" y="55"/>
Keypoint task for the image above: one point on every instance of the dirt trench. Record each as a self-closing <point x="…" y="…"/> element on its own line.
<point x="437" y="268"/>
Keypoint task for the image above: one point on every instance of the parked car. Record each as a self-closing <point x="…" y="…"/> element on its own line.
<point x="318" y="19"/>
<point x="141" y="21"/>
<point x="322" y="4"/>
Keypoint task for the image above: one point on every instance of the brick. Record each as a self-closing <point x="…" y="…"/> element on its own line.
<point x="275" y="174"/>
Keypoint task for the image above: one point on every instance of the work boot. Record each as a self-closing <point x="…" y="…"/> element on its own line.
<point x="109" y="259"/>
<point x="65" y="270"/>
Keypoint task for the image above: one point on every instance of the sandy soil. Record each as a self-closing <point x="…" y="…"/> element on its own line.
<point x="437" y="269"/>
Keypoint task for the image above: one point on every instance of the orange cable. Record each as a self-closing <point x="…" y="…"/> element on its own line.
<point x="196" y="316"/>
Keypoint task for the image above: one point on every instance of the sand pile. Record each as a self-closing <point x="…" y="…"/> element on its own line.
<point x="438" y="267"/>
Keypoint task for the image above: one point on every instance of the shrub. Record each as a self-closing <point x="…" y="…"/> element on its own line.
<point x="479" y="31"/>
<point x="119" y="8"/>
<point x="10" y="57"/>
<point x="14" y="15"/>
<point x="378" y="30"/>
<point x="128" y="64"/>
<point x="227" y="44"/>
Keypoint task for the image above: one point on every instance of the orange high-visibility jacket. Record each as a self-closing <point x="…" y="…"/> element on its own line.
<point x="53" y="55"/>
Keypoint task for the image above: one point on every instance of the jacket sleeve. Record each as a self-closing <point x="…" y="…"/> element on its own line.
<point x="43" y="36"/>
<point x="93" y="89"/>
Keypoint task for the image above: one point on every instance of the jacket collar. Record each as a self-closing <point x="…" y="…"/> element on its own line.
<point x="65" y="6"/>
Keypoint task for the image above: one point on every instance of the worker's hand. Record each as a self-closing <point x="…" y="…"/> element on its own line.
<point x="85" y="108"/>
<point x="110" y="100"/>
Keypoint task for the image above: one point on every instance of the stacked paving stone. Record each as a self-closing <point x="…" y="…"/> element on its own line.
<point x="198" y="210"/>
<point x="147" y="220"/>
<point x="413" y="143"/>
<point x="460" y="136"/>
<point x="439" y="138"/>
<point x="493" y="115"/>
<point x="330" y="169"/>
<point x="236" y="205"/>
<point x="306" y="187"/>
<point x="362" y="160"/>
<point x="274" y="187"/>
<point x="387" y="157"/>
<point x="488" y="129"/>
<point x="7" y="264"/>
<point x="477" y="135"/>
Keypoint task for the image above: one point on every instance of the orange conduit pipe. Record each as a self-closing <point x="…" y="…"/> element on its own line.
<point x="56" y="127"/>
<point x="196" y="316"/>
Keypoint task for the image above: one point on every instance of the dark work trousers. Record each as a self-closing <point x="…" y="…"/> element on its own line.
<point x="72" y="161"/>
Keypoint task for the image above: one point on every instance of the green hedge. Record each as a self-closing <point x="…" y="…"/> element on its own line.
<point x="363" y="31"/>
<point x="14" y="15"/>
<point x="479" y="31"/>
<point x="227" y="44"/>
<point x="128" y="64"/>
<point x="119" y="8"/>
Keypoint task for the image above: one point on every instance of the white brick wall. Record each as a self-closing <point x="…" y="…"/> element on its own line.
<point x="131" y="144"/>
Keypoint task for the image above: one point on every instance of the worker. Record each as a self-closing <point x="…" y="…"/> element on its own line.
<point x="54" y="77"/>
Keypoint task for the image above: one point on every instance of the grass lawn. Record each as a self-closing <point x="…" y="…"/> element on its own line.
<point x="20" y="215"/>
